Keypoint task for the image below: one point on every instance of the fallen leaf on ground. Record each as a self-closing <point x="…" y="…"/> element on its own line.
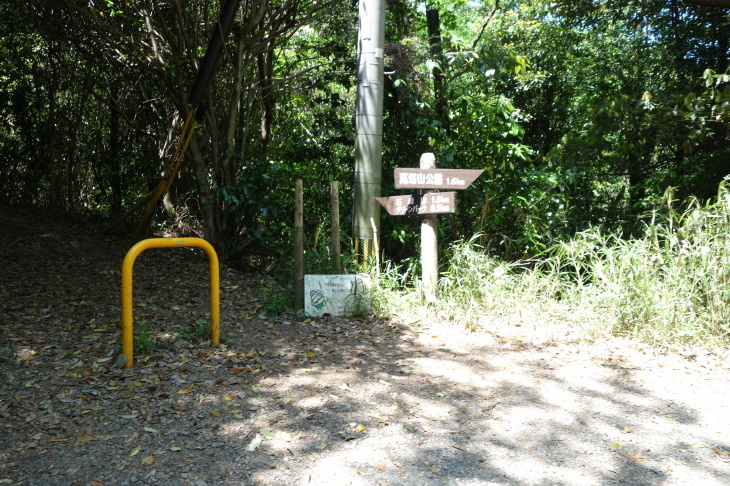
<point x="135" y="451"/>
<point x="148" y="461"/>
<point x="381" y="466"/>
<point x="255" y="443"/>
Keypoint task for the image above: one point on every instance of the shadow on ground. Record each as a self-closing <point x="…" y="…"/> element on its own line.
<point x="292" y="401"/>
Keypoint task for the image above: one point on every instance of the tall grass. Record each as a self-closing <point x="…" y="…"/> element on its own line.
<point x="670" y="286"/>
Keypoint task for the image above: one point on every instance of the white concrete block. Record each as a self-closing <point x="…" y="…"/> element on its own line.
<point x="337" y="295"/>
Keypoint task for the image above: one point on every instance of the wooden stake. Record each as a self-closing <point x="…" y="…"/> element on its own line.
<point x="335" y="204"/>
<point x="299" y="246"/>
<point x="377" y="248"/>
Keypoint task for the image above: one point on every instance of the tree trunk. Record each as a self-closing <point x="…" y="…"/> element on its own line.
<point x="710" y="3"/>
<point x="54" y="195"/>
<point x="115" y="164"/>
<point x="205" y="196"/>
<point x="434" y="39"/>
<point x="72" y="195"/>
<point x="266" y="73"/>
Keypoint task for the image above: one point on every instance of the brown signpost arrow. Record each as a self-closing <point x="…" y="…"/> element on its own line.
<point x="435" y="178"/>
<point x="430" y="203"/>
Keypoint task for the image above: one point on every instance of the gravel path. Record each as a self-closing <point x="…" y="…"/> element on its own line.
<point x="328" y="401"/>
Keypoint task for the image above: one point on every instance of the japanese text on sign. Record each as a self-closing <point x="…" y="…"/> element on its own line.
<point x="435" y="178"/>
<point x="432" y="203"/>
<point x="419" y="178"/>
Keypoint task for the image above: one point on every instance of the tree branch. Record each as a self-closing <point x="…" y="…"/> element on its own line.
<point x="111" y="103"/>
<point x="709" y="3"/>
<point x="486" y="22"/>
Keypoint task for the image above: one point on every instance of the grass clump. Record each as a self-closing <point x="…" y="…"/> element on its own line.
<point x="143" y="341"/>
<point x="669" y="287"/>
<point x="200" y="331"/>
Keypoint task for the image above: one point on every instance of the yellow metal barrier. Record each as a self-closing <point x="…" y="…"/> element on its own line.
<point x="127" y="266"/>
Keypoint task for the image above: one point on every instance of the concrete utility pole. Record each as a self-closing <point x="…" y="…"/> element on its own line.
<point x="368" y="126"/>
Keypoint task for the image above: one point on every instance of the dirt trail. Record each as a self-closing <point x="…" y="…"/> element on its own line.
<point x="329" y="401"/>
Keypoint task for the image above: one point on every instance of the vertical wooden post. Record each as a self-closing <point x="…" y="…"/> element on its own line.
<point x="298" y="246"/>
<point x="335" y="205"/>
<point x="429" y="242"/>
<point x="377" y="248"/>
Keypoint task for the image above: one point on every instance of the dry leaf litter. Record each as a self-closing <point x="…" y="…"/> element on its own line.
<point x="328" y="401"/>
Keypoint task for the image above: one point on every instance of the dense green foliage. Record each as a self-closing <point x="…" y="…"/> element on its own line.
<point x="580" y="113"/>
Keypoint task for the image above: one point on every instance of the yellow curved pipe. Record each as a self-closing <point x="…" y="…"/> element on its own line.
<point x="128" y="265"/>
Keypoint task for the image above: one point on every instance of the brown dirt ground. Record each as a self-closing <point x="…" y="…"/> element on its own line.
<point x="330" y="401"/>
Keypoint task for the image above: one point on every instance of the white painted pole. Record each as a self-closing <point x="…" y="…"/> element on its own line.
<point x="429" y="242"/>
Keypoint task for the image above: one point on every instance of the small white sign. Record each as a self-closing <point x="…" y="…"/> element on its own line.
<point x="337" y="295"/>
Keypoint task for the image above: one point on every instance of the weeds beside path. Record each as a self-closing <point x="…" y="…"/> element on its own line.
<point x="328" y="401"/>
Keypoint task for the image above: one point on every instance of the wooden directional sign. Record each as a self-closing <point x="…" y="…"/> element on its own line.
<point x="431" y="203"/>
<point x="435" y="178"/>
